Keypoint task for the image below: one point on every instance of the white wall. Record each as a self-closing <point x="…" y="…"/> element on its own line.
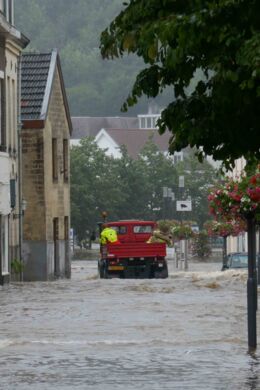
<point x="104" y="141"/>
<point x="4" y="184"/>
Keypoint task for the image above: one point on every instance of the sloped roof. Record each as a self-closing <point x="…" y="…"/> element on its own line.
<point x="135" y="139"/>
<point x="35" y="71"/>
<point x="84" y="126"/>
<point x="37" y="74"/>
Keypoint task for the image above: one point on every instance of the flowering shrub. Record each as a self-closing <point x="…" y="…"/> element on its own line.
<point x="182" y="231"/>
<point x="165" y="225"/>
<point x="225" y="228"/>
<point x="236" y="197"/>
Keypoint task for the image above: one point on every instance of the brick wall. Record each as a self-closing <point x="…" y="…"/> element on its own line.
<point x="47" y="198"/>
<point x="33" y="184"/>
<point x="57" y="192"/>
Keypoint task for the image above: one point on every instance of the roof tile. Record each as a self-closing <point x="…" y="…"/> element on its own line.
<point x="35" y="70"/>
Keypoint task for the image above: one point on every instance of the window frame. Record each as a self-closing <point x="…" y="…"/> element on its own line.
<point x="65" y="159"/>
<point x="54" y="159"/>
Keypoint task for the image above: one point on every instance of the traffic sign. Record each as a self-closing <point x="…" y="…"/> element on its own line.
<point x="183" y="205"/>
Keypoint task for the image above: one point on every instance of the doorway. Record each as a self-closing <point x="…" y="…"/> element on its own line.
<point x="56" y="246"/>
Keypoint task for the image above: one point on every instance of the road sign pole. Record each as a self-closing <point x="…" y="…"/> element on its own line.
<point x="185" y="254"/>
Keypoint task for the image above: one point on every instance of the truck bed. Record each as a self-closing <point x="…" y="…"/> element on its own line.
<point x="137" y="249"/>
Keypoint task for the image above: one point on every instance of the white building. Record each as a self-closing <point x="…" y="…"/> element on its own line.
<point x="111" y="133"/>
<point x="11" y="44"/>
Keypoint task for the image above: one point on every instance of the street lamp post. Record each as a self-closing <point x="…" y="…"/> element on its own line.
<point x="168" y="196"/>
<point x="165" y="194"/>
<point x="251" y="283"/>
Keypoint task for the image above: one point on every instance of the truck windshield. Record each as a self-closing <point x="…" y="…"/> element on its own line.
<point x="142" y="229"/>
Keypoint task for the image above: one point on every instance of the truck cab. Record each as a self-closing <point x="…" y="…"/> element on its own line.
<point x="132" y="256"/>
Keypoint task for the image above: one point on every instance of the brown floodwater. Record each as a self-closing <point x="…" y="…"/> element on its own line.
<point x="185" y="332"/>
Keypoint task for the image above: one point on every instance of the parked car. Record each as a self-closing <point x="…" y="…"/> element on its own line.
<point x="236" y="260"/>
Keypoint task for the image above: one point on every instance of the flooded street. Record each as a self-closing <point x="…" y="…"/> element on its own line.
<point x="185" y="332"/>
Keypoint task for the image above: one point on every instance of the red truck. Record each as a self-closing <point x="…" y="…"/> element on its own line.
<point x="133" y="257"/>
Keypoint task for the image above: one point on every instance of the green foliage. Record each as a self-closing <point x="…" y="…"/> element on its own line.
<point x="199" y="177"/>
<point x="165" y="225"/>
<point x="125" y="188"/>
<point x="220" y="114"/>
<point x="201" y="245"/>
<point x="17" y="266"/>
<point x="182" y="231"/>
<point x="93" y="186"/>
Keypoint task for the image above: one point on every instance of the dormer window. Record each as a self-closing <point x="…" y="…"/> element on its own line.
<point x="148" y="121"/>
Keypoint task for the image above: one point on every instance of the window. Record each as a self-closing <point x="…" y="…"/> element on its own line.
<point x="2" y="6"/>
<point x="143" y="229"/>
<point x="65" y="160"/>
<point x="2" y="132"/>
<point x="56" y="245"/>
<point x="66" y="228"/>
<point x="10" y="11"/>
<point x="178" y="156"/>
<point x="7" y="8"/>
<point x="12" y="193"/>
<point x="148" y="121"/>
<point x="55" y="229"/>
<point x="119" y="229"/>
<point x="54" y="160"/>
<point x="142" y="123"/>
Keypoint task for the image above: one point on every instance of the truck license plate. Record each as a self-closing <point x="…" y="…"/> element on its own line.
<point x="115" y="268"/>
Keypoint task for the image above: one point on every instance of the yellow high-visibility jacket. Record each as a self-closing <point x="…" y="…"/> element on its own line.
<point x="108" y="235"/>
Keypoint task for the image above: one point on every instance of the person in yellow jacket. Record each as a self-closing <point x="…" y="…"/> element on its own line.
<point x="108" y="235"/>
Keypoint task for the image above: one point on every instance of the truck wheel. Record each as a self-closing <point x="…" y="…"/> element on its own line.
<point x="163" y="274"/>
<point x="101" y="270"/>
<point x="101" y="274"/>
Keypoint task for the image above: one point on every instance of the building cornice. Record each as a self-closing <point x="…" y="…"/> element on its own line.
<point x="33" y="124"/>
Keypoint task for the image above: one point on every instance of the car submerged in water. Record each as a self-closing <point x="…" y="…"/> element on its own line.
<point x="236" y="260"/>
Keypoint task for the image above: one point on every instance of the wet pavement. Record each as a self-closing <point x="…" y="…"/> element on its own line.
<point x="185" y="332"/>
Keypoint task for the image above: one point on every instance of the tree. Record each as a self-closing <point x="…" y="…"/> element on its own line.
<point x="94" y="186"/>
<point x="201" y="245"/>
<point x="199" y="177"/>
<point x="125" y="188"/>
<point x="160" y="171"/>
<point x="133" y="187"/>
<point x="220" y="116"/>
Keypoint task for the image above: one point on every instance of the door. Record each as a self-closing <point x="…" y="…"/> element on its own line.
<point x="56" y="245"/>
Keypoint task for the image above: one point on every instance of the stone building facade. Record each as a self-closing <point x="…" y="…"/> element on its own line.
<point x="11" y="44"/>
<point x="45" y="155"/>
